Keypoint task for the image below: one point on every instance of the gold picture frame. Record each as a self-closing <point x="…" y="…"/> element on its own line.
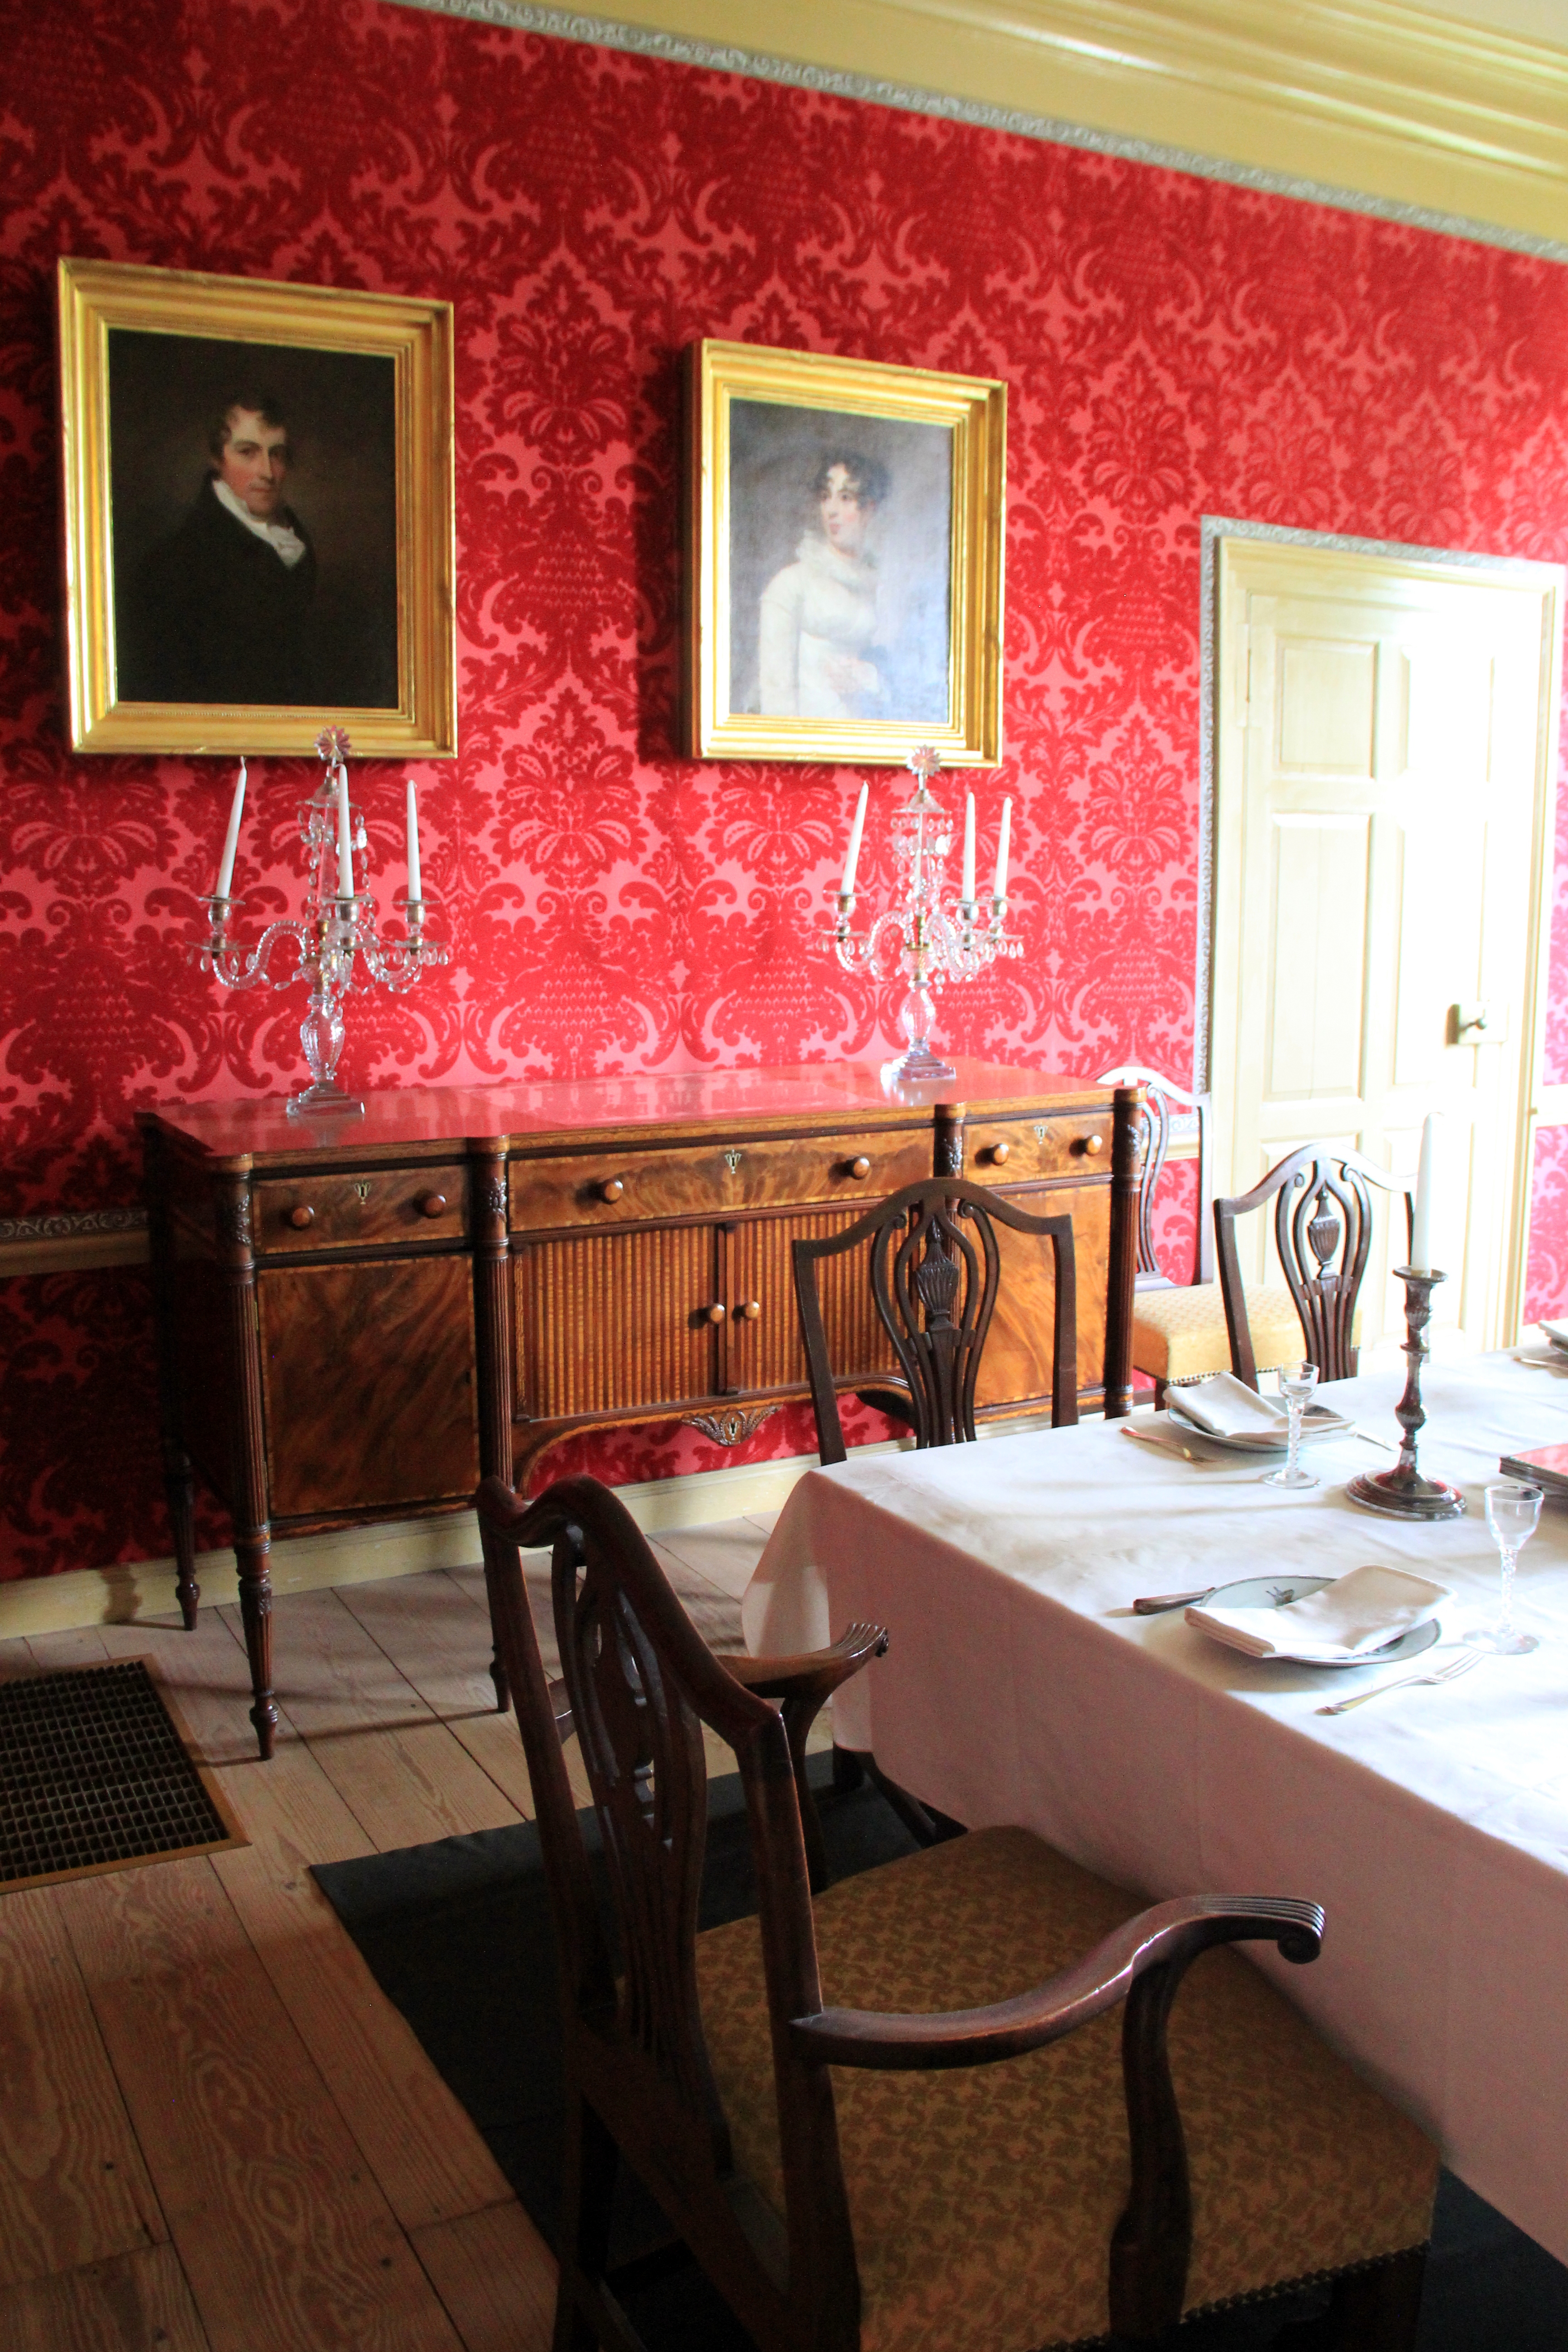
<point x="185" y="624"/>
<point x="844" y="559"/>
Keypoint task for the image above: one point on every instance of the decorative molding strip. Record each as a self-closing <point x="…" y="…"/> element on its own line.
<point x="63" y="1241"/>
<point x="1407" y="107"/>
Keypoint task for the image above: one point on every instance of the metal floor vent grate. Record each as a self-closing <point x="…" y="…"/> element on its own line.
<point x="94" y="1773"/>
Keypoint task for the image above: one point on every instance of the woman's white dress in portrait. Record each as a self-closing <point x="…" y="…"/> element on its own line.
<point x="818" y="615"/>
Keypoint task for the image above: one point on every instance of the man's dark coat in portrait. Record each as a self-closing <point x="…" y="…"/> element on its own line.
<point x="217" y="617"/>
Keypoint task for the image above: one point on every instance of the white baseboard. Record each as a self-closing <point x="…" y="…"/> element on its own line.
<point x="125" y="1594"/>
<point x="139" y="1590"/>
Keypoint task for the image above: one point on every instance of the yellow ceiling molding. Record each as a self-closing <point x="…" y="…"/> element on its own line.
<point x="1372" y="98"/>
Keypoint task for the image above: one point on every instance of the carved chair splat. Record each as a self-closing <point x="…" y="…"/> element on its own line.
<point x="1322" y="1231"/>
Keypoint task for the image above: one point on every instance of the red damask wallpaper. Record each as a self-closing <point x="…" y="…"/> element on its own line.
<point x="1172" y="347"/>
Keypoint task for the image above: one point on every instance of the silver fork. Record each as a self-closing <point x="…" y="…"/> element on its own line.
<point x="1448" y="1673"/>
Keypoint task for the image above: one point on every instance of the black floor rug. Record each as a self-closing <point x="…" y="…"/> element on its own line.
<point x="458" y="1935"/>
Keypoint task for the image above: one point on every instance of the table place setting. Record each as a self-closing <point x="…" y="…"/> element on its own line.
<point x="1371" y="1613"/>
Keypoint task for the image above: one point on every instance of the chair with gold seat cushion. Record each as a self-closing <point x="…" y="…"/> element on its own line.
<point x="982" y="2201"/>
<point x="1182" y="1335"/>
<point x="900" y="2118"/>
<point x="1323" y="1236"/>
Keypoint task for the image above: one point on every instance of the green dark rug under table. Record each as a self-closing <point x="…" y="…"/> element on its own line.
<point x="458" y="1935"/>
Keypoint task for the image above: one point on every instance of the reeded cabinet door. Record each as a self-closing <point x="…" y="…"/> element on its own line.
<point x="765" y="1349"/>
<point x="608" y="1321"/>
<point x="368" y="1384"/>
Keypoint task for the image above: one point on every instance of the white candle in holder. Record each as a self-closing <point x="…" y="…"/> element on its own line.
<point x="1002" y="840"/>
<point x="231" y="838"/>
<point x="345" y="838"/>
<point x="847" y="888"/>
<point x="415" y="892"/>
<point x="1421" y="1229"/>
<point x="966" y="890"/>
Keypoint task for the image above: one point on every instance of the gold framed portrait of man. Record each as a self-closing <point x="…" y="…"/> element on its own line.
<point x="844" y="559"/>
<point x="259" y="514"/>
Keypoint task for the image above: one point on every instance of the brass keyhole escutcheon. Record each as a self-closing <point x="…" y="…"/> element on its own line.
<point x="362" y="1191"/>
<point x="732" y="1161"/>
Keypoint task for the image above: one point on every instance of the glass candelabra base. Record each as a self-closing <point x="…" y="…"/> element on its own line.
<point x="915" y="1063"/>
<point x="325" y="1094"/>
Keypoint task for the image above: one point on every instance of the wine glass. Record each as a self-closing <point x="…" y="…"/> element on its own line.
<point x="1298" y="1381"/>
<point x="1513" y="1514"/>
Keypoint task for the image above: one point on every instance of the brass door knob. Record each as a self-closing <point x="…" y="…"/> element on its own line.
<point x="433" y="1204"/>
<point x="1093" y="1144"/>
<point x="1001" y="1153"/>
<point x="301" y="1217"/>
<point x="715" y="1315"/>
<point x="751" y="1310"/>
<point x="860" y="1168"/>
<point x="611" y="1189"/>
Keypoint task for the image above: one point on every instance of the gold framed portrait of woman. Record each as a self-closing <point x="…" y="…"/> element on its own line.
<point x="843" y="577"/>
<point x="259" y="514"/>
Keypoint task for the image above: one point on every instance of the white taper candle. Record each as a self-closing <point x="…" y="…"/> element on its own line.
<point x="966" y="888"/>
<point x="1002" y="840"/>
<point x="1421" y="1232"/>
<point x="345" y="838"/>
<point x="231" y="838"/>
<point x="414" y="889"/>
<point x="852" y="857"/>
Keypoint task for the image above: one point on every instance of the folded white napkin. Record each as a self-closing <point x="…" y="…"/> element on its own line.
<point x="1228" y="1407"/>
<point x="1349" y="1618"/>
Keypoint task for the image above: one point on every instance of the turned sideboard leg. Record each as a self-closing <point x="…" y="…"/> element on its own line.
<point x="179" y="1481"/>
<point x="492" y="1334"/>
<point x="247" y="1495"/>
<point x="1123" y="1270"/>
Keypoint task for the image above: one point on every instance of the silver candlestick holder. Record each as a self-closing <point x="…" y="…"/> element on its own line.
<point x="331" y="929"/>
<point x="929" y="943"/>
<point x="1404" y="1492"/>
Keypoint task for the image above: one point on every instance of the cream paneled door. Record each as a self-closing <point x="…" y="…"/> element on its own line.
<point x="1385" y="734"/>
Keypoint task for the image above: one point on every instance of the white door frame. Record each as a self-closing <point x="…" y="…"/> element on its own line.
<point x="1553" y="578"/>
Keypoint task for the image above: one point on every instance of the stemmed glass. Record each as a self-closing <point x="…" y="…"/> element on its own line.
<point x="1513" y="1514"/>
<point x="1298" y="1381"/>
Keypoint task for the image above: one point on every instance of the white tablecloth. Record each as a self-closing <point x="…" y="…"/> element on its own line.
<point x="1432" y="1825"/>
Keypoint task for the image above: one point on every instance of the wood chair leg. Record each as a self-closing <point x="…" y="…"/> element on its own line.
<point x="1380" y="2310"/>
<point x="846" y="1774"/>
<point x="589" y="2162"/>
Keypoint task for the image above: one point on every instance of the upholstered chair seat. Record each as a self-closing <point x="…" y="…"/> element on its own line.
<point x="982" y="2201"/>
<point x="1181" y="1334"/>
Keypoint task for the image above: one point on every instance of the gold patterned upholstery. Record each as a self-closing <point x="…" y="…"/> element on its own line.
<point x="984" y="2201"/>
<point x="1179" y="1334"/>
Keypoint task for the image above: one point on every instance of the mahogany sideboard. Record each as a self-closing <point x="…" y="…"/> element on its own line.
<point x="358" y="1319"/>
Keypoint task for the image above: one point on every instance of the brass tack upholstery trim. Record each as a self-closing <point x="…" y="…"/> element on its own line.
<point x="984" y="2201"/>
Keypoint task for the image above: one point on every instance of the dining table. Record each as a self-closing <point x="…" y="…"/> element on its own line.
<point x="1020" y="1686"/>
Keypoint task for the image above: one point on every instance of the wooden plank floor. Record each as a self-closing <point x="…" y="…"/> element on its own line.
<point x="215" y="2134"/>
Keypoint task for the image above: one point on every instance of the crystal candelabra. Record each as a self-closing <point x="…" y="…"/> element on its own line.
<point x="334" y="925"/>
<point x="1404" y="1492"/>
<point x="930" y="943"/>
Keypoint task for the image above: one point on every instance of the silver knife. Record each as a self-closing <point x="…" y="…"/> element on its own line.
<point x="1155" y="1603"/>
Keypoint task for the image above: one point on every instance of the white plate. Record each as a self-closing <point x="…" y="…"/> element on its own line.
<point x="1263" y="1591"/>
<point x="1318" y="1422"/>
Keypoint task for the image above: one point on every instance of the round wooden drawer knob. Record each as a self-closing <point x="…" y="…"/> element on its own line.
<point x="611" y="1189"/>
<point x="433" y="1204"/>
<point x="1001" y="1153"/>
<point x="751" y="1310"/>
<point x="1093" y="1145"/>
<point x="301" y="1217"/>
<point x="715" y="1315"/>
<point x="860" y="1168"/>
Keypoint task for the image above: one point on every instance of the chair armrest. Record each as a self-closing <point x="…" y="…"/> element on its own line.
<point x="815" y="1673"/>
<point x="1168" y="1935"/>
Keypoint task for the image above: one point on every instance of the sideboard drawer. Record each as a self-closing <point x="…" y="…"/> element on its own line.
<point x="339" y="1212"/>
<point x="603" y="1189"/>
<point x="1023" y="1151"/>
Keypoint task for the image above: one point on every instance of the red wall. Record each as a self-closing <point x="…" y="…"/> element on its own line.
<point x="1172" y="347"/>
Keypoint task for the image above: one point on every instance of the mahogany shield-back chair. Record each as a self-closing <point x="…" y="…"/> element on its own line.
<point x="1179" y="1330"/>
<point x="900" y="2114"/>
<point x="936" y="1271"/>
<point x="1322" y="1231"/>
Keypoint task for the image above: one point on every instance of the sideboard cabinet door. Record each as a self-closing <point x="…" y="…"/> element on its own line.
<point x="1017" y="1359"/>
<point x="766" y="1349"/>
<point x="608" y="1321"/>
<point x="368" y="1385"/>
